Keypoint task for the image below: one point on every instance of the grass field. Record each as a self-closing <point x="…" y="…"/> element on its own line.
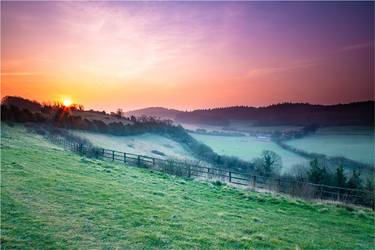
<point x="249" y="127"/>
<point x="244" y="127"/>
<point x="144" y="144"/>
<point x="356" y="143"/>
<point x="247" y="148"/>
<point x="54" y="199"/>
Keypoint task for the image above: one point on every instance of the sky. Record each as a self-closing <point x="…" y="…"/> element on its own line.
<point x="188" y="55"/>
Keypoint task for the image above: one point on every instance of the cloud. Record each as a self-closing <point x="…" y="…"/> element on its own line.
<point x="126" y="39"/>
<point x="270" y="70"/>
<point x="356" y="46"/>
<point x="21" y="73"/>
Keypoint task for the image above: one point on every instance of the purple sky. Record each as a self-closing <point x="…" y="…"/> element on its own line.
<point x="188" y="55"/>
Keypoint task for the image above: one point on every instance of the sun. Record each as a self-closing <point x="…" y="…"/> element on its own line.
<point x="67" y="102"/>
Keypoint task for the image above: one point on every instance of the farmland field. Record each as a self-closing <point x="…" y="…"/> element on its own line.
<point x="247" y="148"/>
<point x="244" y="127"/>
<point x="55" y="199"/>
<point x="356" y="143"/>
<point x="145" y="144"/>
<point x="248" y="126"/>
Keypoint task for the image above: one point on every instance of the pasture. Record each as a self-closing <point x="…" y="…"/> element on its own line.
<point x="54" y="199"/>
<point x="144" y="144"/>
<point x="247" y="148"/>
<point x="248" y="126"/>
<point x="241" y="126"/>
<point x="356" y="143"/>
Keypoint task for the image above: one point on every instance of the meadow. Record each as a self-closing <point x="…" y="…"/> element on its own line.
<point x="144" y="144"/>
<point x="55" y="199"/>
<point x="248" y="148"/>
<point x="356" y="143"/>
<point x="241" y="126"/>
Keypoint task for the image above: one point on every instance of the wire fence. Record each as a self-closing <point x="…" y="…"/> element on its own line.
<point x="305" y="190"/>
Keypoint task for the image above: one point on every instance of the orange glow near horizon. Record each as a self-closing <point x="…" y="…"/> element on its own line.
<point x="187" y="55"/>
<point x="67" y="102"/>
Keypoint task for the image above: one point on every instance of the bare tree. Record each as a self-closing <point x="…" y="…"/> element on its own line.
<point x="268" y="164"/>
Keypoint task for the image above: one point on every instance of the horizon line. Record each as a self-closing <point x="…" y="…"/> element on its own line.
<point x="200" y="109"/>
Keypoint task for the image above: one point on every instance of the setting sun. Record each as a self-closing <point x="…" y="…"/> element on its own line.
<point x="67" y="102"/>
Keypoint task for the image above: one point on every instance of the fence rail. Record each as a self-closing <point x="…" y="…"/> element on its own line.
<point x="294" y="188"/>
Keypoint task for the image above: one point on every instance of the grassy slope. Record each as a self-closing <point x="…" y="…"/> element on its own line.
<point x="51" y="198"/>
<point x="138" y="144"/>
<point x="247" y="148"/>
<point x="356" y="143"/>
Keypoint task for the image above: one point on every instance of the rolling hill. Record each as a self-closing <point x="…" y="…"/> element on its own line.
<point x="283" y="114"/>
<point x="292" y="114"/>
<point x="158" y="112"/>
<point x="52" y="198"/>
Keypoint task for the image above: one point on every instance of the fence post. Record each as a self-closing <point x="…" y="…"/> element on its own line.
<point x="153" y="162"/>
<point x="230" y="176"/>
<point x="293" y="188"/>
<point x="189" y="171"/>
<point x="254" y="181"/>
<point x="113" y="155"/>
<point x="139" y="161"/>
<point x="103" y="152"/>
<point x="124" y="157"/>
<point x="321" y="192"/>
<point x="81" y="148"/>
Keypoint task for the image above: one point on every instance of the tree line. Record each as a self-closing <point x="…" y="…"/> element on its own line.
<point x="268" y="164"/>
<point x="60" y="117"/>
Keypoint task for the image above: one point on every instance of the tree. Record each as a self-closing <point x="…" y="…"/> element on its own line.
<point x="119" y="113"/>
<point x="133" y="119"/>
<point x="268" y="164"/>
<point x="299" y="172"/>
<point x="318" y="174"/>
<point x="369" y="184"/>
<point x="340" y="178"/>
<point x="355" y="180"/>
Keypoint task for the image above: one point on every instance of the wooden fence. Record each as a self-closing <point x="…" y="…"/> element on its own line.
<point x="294" y="188"/>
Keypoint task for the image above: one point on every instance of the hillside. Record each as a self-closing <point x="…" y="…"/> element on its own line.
<point x="52" y="198"/>
<point x="284" y="114"/>
<point x="21" y="103"/>
<point x="95" y="115"/>
<point x="293" y="114"/>
<point x="35" y="107"/>
<point x="155" y="112"/>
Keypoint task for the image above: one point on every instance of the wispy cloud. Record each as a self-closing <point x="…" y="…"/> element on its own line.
<point x="357" y="46"/>
<point x="121" y="42"/>
<point x="270" y="70"/>
<point x="21" y="73"/>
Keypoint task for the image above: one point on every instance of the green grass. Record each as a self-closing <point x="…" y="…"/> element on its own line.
<point x="144" y="144"/>
<point x="247" y="148"/>
<point x="54" y="199"/>
<point x="356" y="143"/>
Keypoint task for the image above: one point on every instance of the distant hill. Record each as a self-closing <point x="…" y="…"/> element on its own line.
<point x="21" y="103"/>
<point x="293" y="114"/>
<point x="299" y="114"/>
<point x="90" y="115"/>
<point x="159" y="112"/>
